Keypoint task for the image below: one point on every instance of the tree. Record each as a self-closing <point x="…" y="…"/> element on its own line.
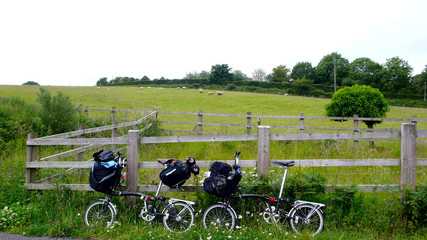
<point x="365" y="101"/>
<point x="418" y="81"/>
<point x="145" y="78"/>
<point x="364" y="71"/>
<point x="259" y="75"/>
<point x="102" y="81"/>
<point x="280" y="74"/>
<point x="303" y="70"/>
<point x="220" y="74"/>
<point x="31" y="83"/>
<point x="239" y="75"/>
<point x="325" y="69"/>
<point x="396" y="75"/>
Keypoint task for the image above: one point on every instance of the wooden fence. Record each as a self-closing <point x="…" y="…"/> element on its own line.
<point x="408" y="162"/>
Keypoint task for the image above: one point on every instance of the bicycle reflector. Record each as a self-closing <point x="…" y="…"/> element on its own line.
<point x="272" y="200"/>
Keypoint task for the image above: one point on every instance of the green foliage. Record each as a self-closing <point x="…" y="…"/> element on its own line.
<point x="57" y="113"/>
<point x="364" y="71"/>
<point x="102" y="81"/>
<point x="280" y="74"/>
<point x="31" y="83"/>
<point x="365" y="101"/>
<point x="220" y="73"/>
<point x="303" y="70"/>
<point x="397" y="75"/>
<point x="325" y="69"/>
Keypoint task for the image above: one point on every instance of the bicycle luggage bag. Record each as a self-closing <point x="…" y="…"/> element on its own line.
<point x="222" y="180"/>
<point x="103" y="175"/>
<point x="176" y="174"/>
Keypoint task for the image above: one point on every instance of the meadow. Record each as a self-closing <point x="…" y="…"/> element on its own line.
<point x="353" y="215"/>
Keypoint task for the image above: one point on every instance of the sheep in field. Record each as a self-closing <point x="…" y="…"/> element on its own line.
<point x="211" y="93"/>
<point x="200" y="90"/>
<point x="220" y="93"/>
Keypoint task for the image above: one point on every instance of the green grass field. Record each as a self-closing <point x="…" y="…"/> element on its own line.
<point x="59" y="213"/>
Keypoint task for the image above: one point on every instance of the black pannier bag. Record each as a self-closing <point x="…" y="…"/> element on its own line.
<point x="176" y="174"/>
<point x="101" y="178"/>
<point x="104" y="156"/>
<point x="222" y="181"/>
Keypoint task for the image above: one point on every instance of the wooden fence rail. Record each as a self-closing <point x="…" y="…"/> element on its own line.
<point x="408" y="162"/>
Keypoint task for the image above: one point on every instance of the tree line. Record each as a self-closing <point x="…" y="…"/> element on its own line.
<point x="393" y="76"/>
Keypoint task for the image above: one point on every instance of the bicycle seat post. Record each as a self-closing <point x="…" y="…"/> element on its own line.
<point x="283" y="181"/>
<point x="158" y="189"/>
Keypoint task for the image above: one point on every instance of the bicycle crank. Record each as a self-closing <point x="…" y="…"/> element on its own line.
<point x="145" y="214"/>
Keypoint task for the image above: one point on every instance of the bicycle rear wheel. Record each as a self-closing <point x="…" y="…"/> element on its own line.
<point x="178" y="217"/>
<point x="99" y="213"/>
<point x="306" y="219"/>
<point x="219" y="216"/>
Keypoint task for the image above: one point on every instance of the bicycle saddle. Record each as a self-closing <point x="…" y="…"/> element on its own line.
<point x="285" y="163"/>
<point x="166" y="161"/>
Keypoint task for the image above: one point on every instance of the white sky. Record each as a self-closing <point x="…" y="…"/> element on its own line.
<point x="78" y="42"/>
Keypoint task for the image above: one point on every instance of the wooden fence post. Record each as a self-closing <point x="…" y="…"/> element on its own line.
<point x="301" y="123"/>
<point x="114" y="135"/>
<point x="135" y="126"/>
<point x="132" y="164"/>
<point x="200" y="124"/>
<point x="263" y="163"/>
<point x="356" y="129"/>
<point x="408" y="162"/>
<point x="86" y="111"/>
<point x="113" y="114"/>
<point x="81" y="155"/>
<point x="30" y="174"/>
<point x="248" y="123"/>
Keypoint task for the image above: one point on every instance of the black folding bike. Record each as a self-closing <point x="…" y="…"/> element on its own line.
<point x="303" y="217"/>
<point x="177" y="214"/>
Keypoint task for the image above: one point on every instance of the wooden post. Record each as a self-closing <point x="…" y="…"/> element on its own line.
<point x="301" y="123"/>
<point x="30" y="173"/>
<point x="114" y="135"/>
<point x="200" y="124"/>
<point x="263" y="163"/>
<point x="86" y="111"/>
<point x="132" y="164"/>
<point x="113" y="114"/>
<point x="356" y="129"/>
<point x="408" y="162"/>
<point x="248" y="123"/>
<point x="81" y="156"/>
<point x="414" y="120"/>
<point x="135" y="126"/>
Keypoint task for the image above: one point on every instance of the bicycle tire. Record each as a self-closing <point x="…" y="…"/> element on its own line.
<point x="97" y="215"/>
<point x="178" y="217"/>
<point x="219" y="217"/>
<point x="299" y="222"/>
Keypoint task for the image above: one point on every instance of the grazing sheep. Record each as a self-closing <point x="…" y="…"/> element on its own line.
<point x="178" y="88"/>
<point x="200" y="90"/>
<point x="141" y="88"/>
<point x="184" y="88"/>
<point x="286" y="94"/>
<point x="220" y="93"/>
<point x="149" y="87"/>
<point x="211" y="93"/>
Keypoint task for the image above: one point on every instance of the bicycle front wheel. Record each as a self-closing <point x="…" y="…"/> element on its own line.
<point x="99" y="213"/>
<point x="219" y="216"/>
<point x="306" y="219"/>
<point x="178" y="217"/>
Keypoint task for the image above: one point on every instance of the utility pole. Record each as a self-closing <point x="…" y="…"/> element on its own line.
<point x="335" y="74"/>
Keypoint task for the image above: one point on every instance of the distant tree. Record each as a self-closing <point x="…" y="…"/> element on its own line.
<point x="239" y="75"/>
<point x="396" y="75"/>
<point x="364" y="71"/>
<point x="365" y="101"/>
<point x="102" y="81"/>
<point x="31" y="83"/>
<point x="418" y="81"/>
<point x="204" y="74"/>
<point x="220" y="73"/>
<point x="197" y="75"/>
<point x="259" y="75"/>
<point x="303" y="70"/>
<point x="145" y="78"/>
<point x="281" y="74"/>
<point x="325" y="69"/>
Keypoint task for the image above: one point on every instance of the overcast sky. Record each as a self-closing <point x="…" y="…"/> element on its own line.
<point x="78" y="42"/>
